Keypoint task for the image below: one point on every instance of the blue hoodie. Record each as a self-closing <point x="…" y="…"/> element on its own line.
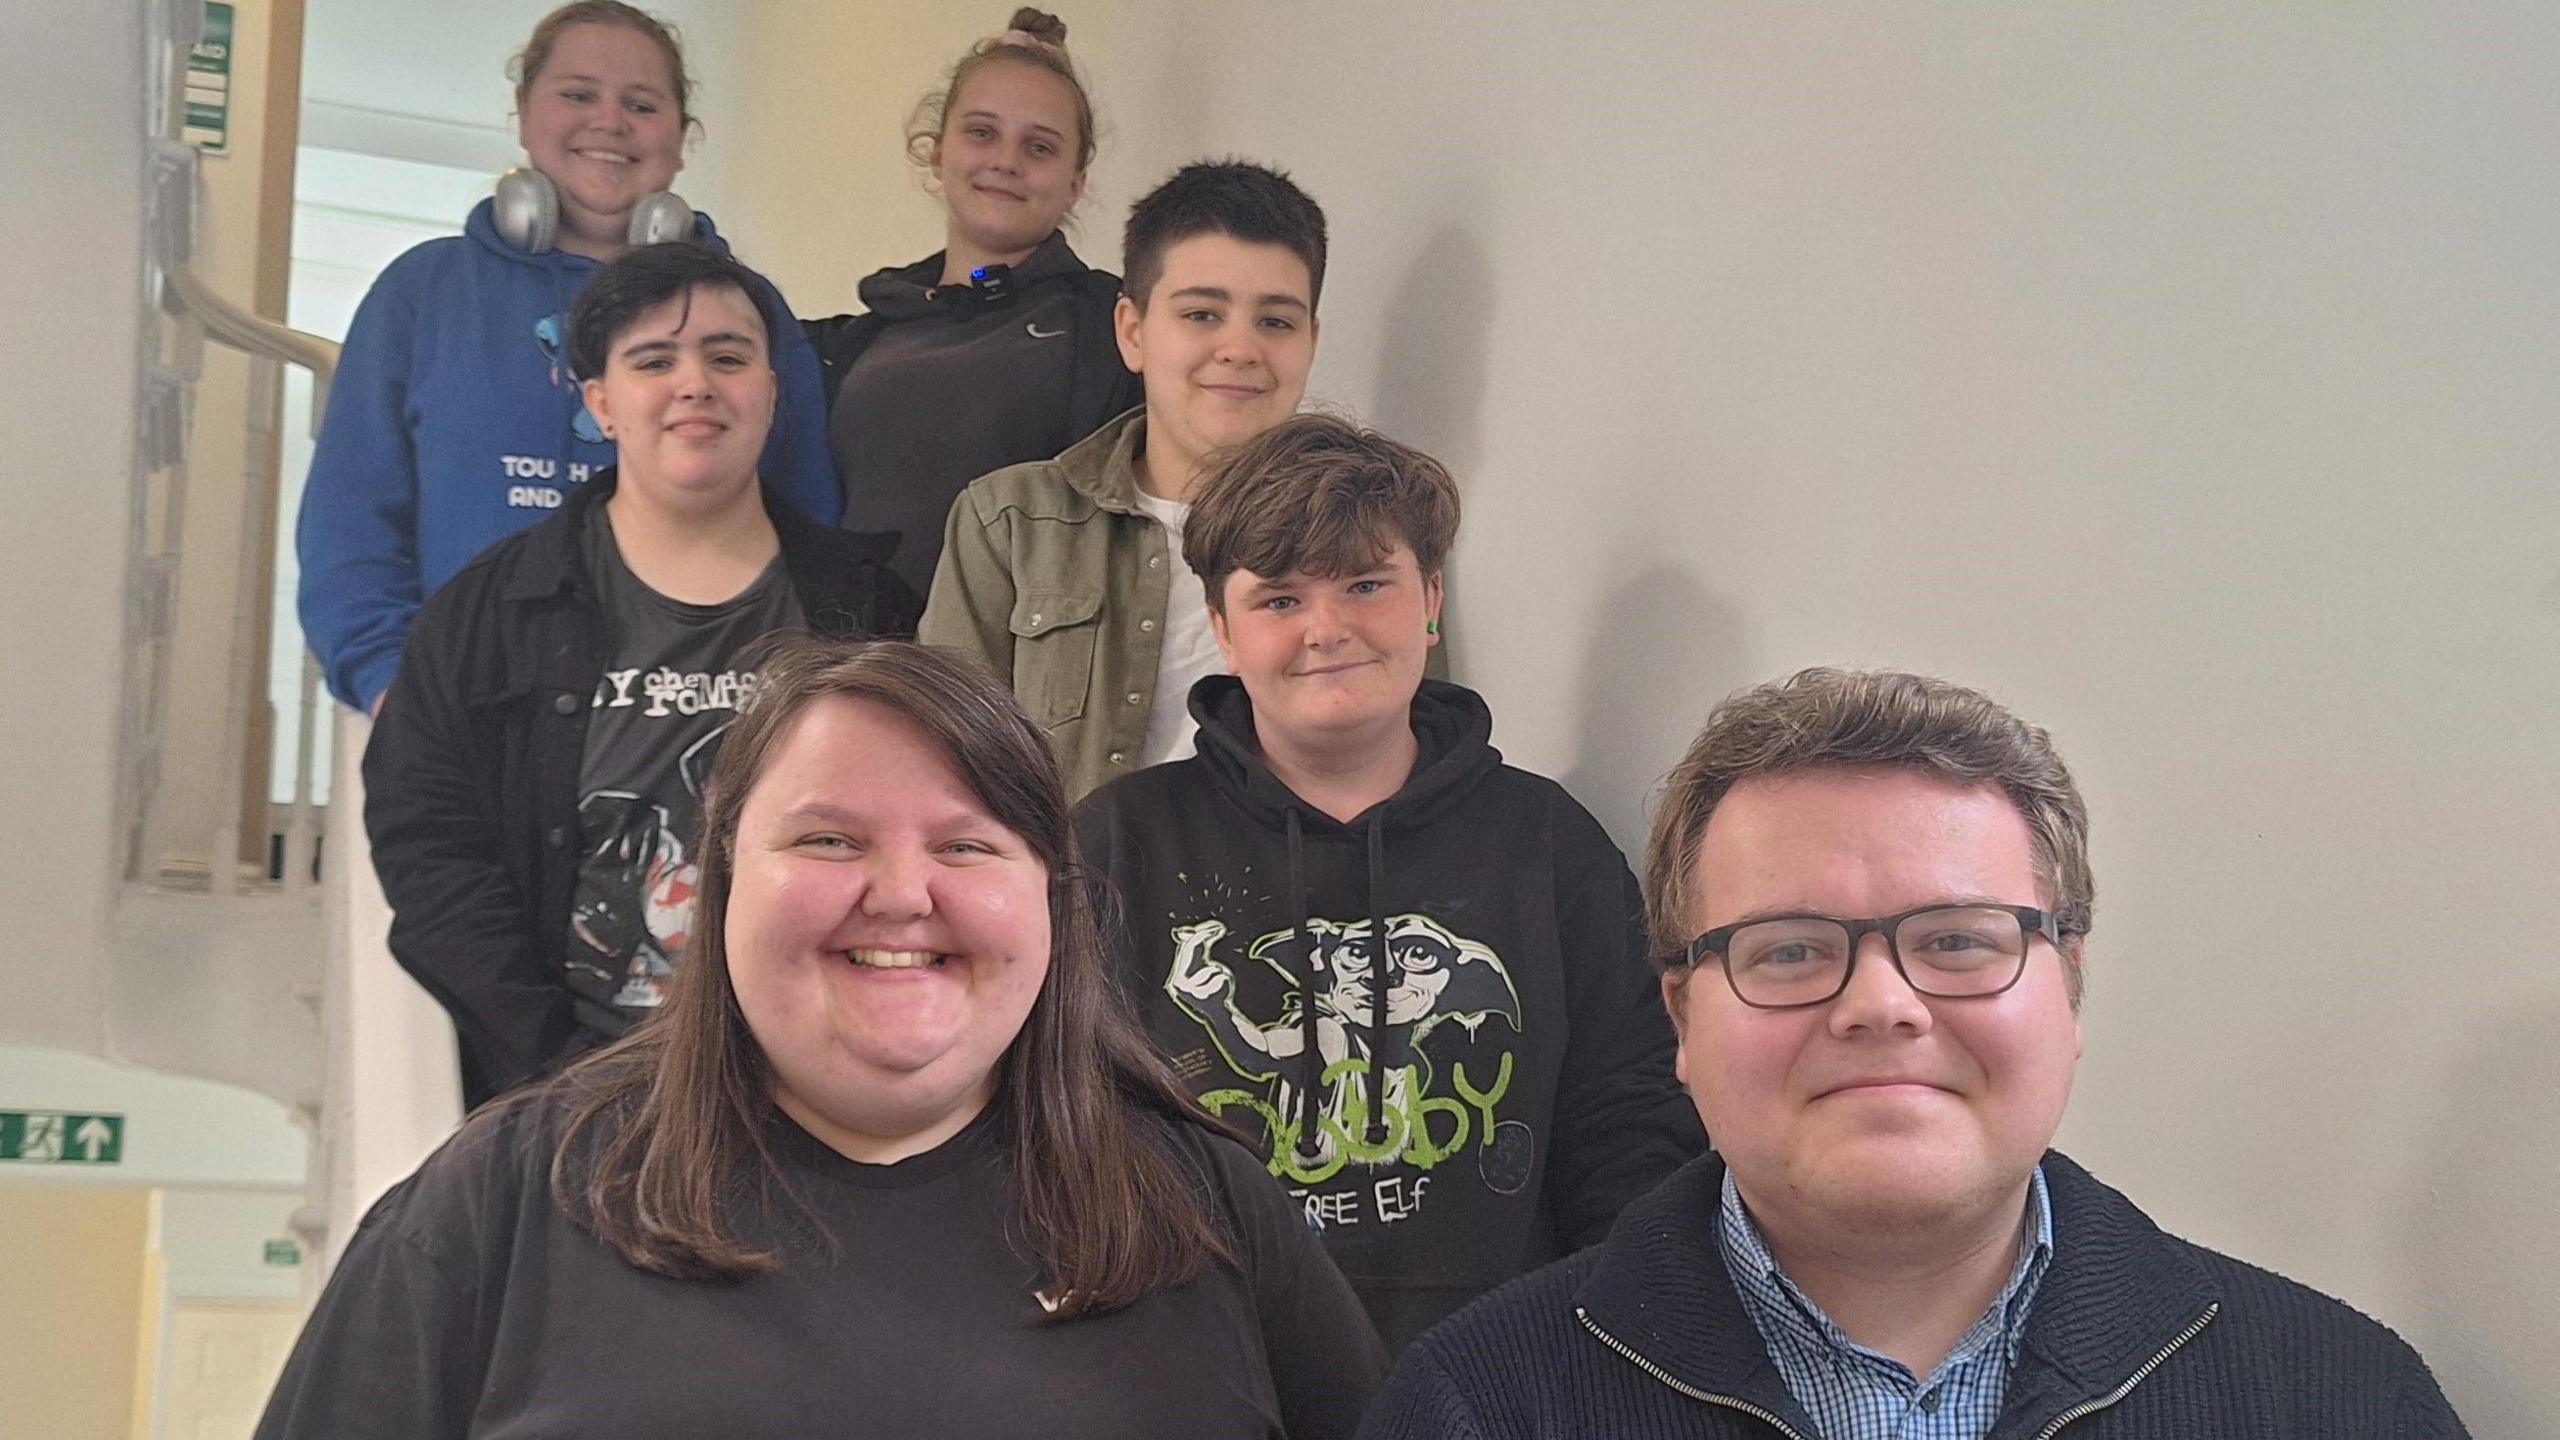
<point x="454" y="424"/>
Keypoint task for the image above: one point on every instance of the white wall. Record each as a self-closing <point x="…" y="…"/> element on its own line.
<point x="178" y="1132"/>
<point x="71" y="159"/>
<point x="2181" y="373"/>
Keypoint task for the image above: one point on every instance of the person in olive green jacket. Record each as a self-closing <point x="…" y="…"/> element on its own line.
<point x="1061" y="574"/>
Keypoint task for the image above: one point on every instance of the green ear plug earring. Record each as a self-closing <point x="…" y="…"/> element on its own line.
<point x="1430" y="627"/>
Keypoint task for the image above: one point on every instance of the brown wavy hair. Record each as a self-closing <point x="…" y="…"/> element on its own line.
<point x="1825" y="719"/>
<point x="668" y="1128"/>
<point x="1319" y="494"/>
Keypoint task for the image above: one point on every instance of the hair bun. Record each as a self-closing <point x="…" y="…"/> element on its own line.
<point x="1040" y="25"/>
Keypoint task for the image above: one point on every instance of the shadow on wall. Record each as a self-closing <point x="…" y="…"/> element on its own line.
<point x="1152" y="114"/>
<point x="1437" y="325"/>
<point x="1438" y="328"/>
<point x="2480" y="1239"/>
<point x="1662" y="652"/>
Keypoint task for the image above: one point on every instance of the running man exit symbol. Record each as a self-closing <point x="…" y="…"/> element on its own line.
<point x="44" y="1137"/>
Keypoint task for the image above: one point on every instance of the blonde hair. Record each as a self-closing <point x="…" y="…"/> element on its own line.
<point x="1033" y="37"/>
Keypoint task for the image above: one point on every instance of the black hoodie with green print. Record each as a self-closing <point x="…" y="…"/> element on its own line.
<point x="1513" y="1092"/>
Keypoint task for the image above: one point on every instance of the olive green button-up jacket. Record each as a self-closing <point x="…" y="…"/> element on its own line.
<point x="1052" y="573"/>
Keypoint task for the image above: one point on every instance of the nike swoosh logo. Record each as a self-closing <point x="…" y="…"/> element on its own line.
<point x="1039" y="334"/>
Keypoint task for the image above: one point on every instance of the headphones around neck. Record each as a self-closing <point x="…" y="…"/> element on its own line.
<point x="527" y="213"/>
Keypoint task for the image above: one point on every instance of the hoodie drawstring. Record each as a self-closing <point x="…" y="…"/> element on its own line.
<point x="1383" y="974"/>
<point x="1310" y="1055"/>
<point x="1382" y="977"/>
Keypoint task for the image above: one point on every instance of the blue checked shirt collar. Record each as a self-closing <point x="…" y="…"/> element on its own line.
<point x="1853" y="1393"/>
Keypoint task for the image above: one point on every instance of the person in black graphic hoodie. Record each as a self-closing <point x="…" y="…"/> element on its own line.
<point x="1487" y="1094"/>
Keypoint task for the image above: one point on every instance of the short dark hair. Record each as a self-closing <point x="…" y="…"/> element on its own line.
<point x="1318" y="494"/>
<point x="645" y="277"/>
<point x="1826" y="719"/>
<point x="1254" y="203"/>
<point x="669" y="1128"/>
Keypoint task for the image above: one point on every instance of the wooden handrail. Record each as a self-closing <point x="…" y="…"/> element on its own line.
<point x="256" y="335"/>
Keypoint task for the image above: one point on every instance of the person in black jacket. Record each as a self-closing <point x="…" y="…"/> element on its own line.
<point x="1415" y="974"/>
<point x="1872" y="894"/>
<point x="533" y="785"/>
<point x="997" y="349"/>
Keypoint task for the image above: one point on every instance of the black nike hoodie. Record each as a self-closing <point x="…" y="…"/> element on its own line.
<point x="935" y="385"/>
<point x="1526" y="1060"/>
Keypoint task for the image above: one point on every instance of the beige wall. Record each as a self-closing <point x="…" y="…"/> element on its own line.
<point x="2182" y="373"/>
<point x="82" y="1300"/>
<point x="804" y="155"/>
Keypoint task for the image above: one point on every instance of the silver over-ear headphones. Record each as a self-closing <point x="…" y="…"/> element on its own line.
<point x="527" y="213"/>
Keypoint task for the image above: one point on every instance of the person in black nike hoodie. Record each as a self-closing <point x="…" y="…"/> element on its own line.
<point x="1487" y="1094"/>
<point x="997" y="349"/>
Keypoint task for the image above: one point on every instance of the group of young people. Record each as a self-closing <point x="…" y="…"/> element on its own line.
<point x="1144" y="1007"/>
<point x="1449" y="1063"/>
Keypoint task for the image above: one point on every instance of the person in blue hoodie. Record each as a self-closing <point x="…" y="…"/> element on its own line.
<point x="454" y="422"/>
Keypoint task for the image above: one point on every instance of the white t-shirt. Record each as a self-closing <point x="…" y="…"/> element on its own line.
<point x="1190" y="650"/>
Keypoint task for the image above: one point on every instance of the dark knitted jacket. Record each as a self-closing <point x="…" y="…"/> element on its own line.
<point x="2134" y="1334"/>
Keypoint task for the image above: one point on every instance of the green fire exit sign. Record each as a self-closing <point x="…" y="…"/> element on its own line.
<point x="50" y="1137"/>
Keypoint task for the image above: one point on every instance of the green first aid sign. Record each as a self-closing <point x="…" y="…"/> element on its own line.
<point x="44" y="1137"/>
<point x="208" y="97"/>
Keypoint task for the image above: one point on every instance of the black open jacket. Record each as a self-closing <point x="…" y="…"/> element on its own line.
<point x="471" y="778"/>
<point x="2135" y="1335"/>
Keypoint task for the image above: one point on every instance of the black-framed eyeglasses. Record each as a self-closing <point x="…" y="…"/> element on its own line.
<point x="1947" y="952"/>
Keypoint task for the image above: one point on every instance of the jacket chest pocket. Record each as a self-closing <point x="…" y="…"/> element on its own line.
<point x="1054" y="633"/>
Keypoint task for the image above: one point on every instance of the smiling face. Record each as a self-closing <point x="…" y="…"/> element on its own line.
<point x="687" y="396"/>
<point x="1006" y="160"/>
<point x="601" y="121"/>
<point x="886" y="937"/>
<point x="1880" y="1108"/>
<point x="1331" y="662"/>
<point x="1224" y="345"/>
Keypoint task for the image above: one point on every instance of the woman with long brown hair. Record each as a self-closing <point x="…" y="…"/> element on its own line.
<point x="892" y="1161"/>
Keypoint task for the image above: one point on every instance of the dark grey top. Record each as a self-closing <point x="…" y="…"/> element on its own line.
<point x="469" y="1305"/>
<point x="675" y="677"/>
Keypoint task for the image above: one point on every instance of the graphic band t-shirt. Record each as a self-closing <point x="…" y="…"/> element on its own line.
<point x="673" y="682"/>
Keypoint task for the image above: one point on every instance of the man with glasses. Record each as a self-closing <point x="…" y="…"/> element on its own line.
<point x="1872" y="895"/>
